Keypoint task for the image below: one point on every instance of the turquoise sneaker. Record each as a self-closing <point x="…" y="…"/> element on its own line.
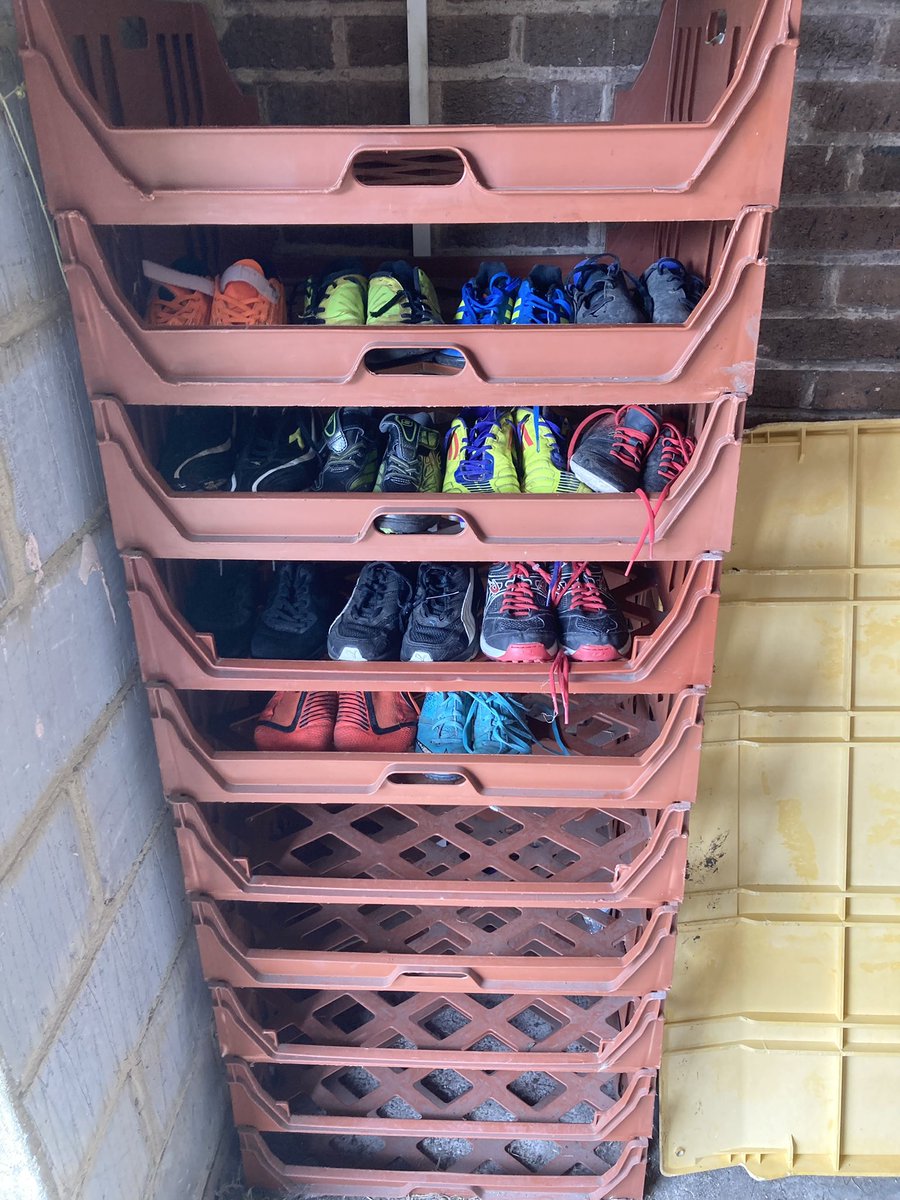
<point x="441" y="723"/>
<point x="497" y="724"/>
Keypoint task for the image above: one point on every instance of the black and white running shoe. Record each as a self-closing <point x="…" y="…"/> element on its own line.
<point x="518" y="624"/>
<point x="442" y="626"/>
<point x="199" y="449"/>
<point x="279" y="455"/>
<point x="292" y="624"/>
<point x="370" y="626"/>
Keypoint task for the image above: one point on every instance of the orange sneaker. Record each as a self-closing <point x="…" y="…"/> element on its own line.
<point x="297" y="721"/>
<point x="376" y="722"/>
<point x="244" y="296"/>
<point x="178" y="298"/>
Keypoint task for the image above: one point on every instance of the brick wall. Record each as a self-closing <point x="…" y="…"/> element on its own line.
<point x="110" y="1086"/>
<point x="829" y="343"/>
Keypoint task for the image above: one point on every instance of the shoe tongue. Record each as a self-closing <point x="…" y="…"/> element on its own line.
<point x="644" y="419"/>
<point x="244" y="280"/>
<point x="544" y="278"/>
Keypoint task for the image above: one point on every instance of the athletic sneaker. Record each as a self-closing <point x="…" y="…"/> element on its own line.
<point x="480" y="452"/>
<point x="369" y="628"/>
<point x="297" y="721"/>
<point x="442" y="622"/>
<point x="592" y="626"/>
<point x="244" y="296"/>
<point x="541" y="459"/>
<point x="669" y="455"/>
<point x="518" y="623"/>
<point x="340" y="296"/>
<point x="541" y="299"/>
<point x="497" y="724"/>
<point x="401" y="295"/>
<point x="349" y="451"/>
<point x="376" y="723"/>
<point x="411" y="464"/>
<point x="600" y="293"/>
<point x="441" y="723"/>
<point x="609" y="449"/>
<point x="221" y="600"/>
<point x="488" y="299"/>
<point x="292" y="624"/>
<point x="198" y="452"/>
<point x="670" y="293"/>
<point x="181" y="295"/>
<point x="279" y="455"/>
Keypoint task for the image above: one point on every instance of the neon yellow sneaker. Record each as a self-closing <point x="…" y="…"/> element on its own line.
<point x="340" y="298"/>
<point x="541" y="456"/>
<point x="480" y="452"/>
<point x="402" y="295"/>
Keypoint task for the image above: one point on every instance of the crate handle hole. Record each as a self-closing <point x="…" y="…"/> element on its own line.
<point x="408" y="168"/>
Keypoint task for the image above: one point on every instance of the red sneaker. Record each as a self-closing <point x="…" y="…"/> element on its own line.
<point x="297" y="721"/>
<point x="376" y="722"/>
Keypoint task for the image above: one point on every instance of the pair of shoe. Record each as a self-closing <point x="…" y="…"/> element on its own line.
<point x="473" y="723"/>
<point x="498" y="450"/>
<point x="386" y="619"/>
<point x="629" y="450"/>
<point x="407" y="461"/>
<point x="353" y="722"/>
<point x="494" y="297"/>
<point x="186" y="295"/>
<point x="603" y="293"/>
<point x="396" y="294"/>
<point x="531" y="614"/>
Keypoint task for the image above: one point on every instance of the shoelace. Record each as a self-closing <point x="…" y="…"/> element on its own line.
<point x="291" y="601"/>
<point x="518" y="594"/>
<point x="544" y="311"/>
<point x="508" y="719"/>
<point x="478" y="446"/>
<point x="584" y="589"/>
<point x="180" y="310"/>
<point x="499" y="290"/>
<point x="434" y="603"/>
<point x="416" y="311"/>
<point x="373" y="588"/>
<point x="450" y="715"/>
<point x="630" y="446"/>
<point x="542" y="425"/>
<point x="676" y="455"/>
<point x="606" y="274"/>
<point x="255" y="311"/>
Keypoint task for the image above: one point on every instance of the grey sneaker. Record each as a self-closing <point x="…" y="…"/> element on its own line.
<point x="670" y="293"/>
<point x="601" y="295"/>
<point x="411" y="464"/>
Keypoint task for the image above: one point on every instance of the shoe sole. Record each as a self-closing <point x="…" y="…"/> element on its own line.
<point x="532" y="652"/>
<point x="422" y="656"/>
<point x="401" y="524"/>
<point x="595" y="482"/>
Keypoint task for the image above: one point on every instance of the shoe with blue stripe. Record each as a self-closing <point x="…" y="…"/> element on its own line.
<point x="481" y="452"/>
<point x="542" y="300"/>
<point x="487" y="299"/>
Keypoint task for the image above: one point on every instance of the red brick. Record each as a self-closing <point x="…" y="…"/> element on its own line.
<point x="284" y="43"/>
<point x="815" y="170"/>
<point x="802" y="232"/>
<point x="585" y="40"/>
<point x="376" y="41"/>
<point x="857" y="391"/>
<point x="795" y="287"/>
<point x="833" y="41"/>
<point x="845" y="107"/>
<point x="464" y="41"/>
<point x="881" y="169"/>
<point x="811" y="339"/>
<point x="338" y="103"/>
<point x="869" y="287"/>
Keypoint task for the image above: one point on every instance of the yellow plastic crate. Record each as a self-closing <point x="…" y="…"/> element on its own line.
<point x="783" y="1025"/>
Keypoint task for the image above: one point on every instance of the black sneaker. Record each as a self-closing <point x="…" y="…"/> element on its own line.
<point x="221" y="600"/>
<point x="349" y="451"/>
<point x="411" y="464"/>
<point x="670" y="294"/>
<point x="199" y="449"/>
<point x="292" y="624"/>
<point x="601" y="295"/>
<point x="518" y="624"/>
<point x="278" y="455"/>
<point x="611" y="452"/>
<point x="442" y="627"/>
<point x="370" y="626"/>
<point x="668" y="457"/>
<point x="592" y="626"/>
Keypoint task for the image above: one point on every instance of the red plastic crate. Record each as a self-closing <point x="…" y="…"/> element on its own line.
<point x="597" y="953"/>
<point x="652" y="762"/>
<point x="140" y="125"/>
<point x="675" y="605"/>
<point x="695" y="518"/>
<point x="713" y="352"/>
<point x="345" y="854"/>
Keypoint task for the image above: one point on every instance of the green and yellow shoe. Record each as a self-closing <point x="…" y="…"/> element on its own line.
<point x="541" y="457"/>
<point x="480" y="452"/>
<point x="340" y="298"/>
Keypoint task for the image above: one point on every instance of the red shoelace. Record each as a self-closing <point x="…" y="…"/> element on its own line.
<point x="583" y="587"/>
<point x="676" y="454"/>
<point x="518" y="594"/>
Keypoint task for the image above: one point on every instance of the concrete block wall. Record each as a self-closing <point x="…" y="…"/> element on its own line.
<point x="829" y="344"/>
<point x="110" y="1084"/>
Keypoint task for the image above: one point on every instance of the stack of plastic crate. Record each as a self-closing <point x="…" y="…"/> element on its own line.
<point x="452" y="987"/>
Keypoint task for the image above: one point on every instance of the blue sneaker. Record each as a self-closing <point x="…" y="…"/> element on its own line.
<point x="487" y="299"/>
<point x="542" y="299"/>
<point x="441" y="723"/>
<point x="497" y="724"/>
